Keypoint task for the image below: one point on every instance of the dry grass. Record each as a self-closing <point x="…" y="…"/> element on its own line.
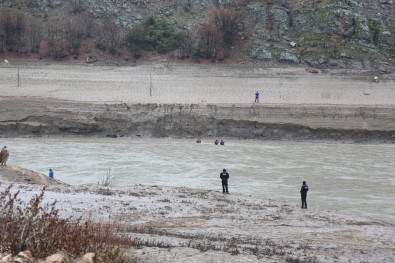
<point x="39" y="228"/>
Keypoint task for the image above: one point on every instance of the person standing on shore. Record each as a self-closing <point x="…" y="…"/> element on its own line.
<point x="303" y="193"/>
<point x="224" y="176"/>
<point x="257" y="96"/>
<point x="51" y="174"/>
<point x="4" y="154"/>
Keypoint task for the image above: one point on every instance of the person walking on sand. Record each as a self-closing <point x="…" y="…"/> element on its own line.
<point x="224" y="176"/>
<point x="257" y="96"/>
<point x="303" y="193"/>
<point x="4" y="154"/>
<point x="50" y="174"/>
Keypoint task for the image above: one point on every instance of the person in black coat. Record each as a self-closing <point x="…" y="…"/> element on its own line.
<point x="224" y="176"/>
<point x="303" y="193"/>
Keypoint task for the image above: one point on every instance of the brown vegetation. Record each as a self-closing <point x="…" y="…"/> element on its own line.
<point x="39" y="228"/>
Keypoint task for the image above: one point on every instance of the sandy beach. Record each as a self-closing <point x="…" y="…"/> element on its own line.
<point x="191" y="225"/>
<point x="196" y="84"/>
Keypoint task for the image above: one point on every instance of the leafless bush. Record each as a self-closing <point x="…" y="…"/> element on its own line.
<point x="55" y="45"/>
<point x="227" y="21"/>
<point x="40" y="229"/>
<point x="109" y="37"/>
<point x="105" y="178"/>
<point x="211" y="41"/>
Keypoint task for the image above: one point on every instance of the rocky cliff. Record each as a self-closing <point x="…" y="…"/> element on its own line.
<point x="320" y="33"/>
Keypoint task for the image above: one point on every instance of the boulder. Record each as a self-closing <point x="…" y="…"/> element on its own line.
<point x="288" y="57"/>
<point x="89" y="258"/>
<point x="260" y="52"/>
<point x="27" y="255"/>
<point x="5" y="258"/>
<point x="57" y="258"/>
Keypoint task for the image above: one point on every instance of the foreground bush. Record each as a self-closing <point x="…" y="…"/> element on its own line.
<point x="40" y="229"/>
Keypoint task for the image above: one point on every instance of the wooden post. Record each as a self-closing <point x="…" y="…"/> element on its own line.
<point x="150" y="86"/>
<point x="18" y="81"/>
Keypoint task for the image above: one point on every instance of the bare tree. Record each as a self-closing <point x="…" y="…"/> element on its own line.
<point x="73" y="33"/>
<point x="56" y="46"/>
<point x="109" y="37"/>
<point x="35" y="35"/>
<point x="227" y="21"/>
<point x="211" y="40"/>
<point x="12" y="28"/>
<point x="135" y="40"/>
<point x="87" y="23"/>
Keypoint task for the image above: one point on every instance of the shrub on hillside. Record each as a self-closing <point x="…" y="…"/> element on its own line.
<point x="154" y="34"/>
<point x="39" y="228"/>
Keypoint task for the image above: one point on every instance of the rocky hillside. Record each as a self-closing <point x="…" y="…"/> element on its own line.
<point x="320" y="33"/>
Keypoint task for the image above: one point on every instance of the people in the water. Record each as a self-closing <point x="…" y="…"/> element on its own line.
<point x="198" y="140"/>
<point x="216" y="142"/>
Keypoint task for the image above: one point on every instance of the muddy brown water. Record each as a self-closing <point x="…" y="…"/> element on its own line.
<point x="356" y="178"/>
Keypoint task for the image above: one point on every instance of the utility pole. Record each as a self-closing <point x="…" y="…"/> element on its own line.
<point x="18" y="80"/>
<point x="150" y="85"/>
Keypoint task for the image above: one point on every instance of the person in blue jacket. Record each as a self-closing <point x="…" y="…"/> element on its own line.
<point x="303" y="193"/>
<point x="50" y="173"/>
<point x="257" y="96"/>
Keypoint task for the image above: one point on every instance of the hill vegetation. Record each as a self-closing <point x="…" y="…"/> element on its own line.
<point x="321" y="33"/>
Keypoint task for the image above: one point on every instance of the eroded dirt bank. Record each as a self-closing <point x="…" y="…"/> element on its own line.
<point x="42" y="117"/>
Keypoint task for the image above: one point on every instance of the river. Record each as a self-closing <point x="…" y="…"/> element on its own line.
<point x="354" y="178"/>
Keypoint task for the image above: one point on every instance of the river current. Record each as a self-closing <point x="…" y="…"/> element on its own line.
<point x="355" y="178"/>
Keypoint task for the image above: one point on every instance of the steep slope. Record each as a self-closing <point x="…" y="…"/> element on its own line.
<point x="320" y="33"/>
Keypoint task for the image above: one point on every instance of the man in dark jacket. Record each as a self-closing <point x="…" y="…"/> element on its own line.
<point x="224" y="176"/>
<point x="303" y="193"/>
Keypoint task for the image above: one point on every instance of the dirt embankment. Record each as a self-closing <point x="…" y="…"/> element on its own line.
<point x="35" y="116"/>
<point x="184" y="100"/>
<point x="15" y="174"/>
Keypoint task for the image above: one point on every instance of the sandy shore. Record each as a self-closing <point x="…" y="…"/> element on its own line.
<point x="178" y="83"/>
<point x="190" y="225"/>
